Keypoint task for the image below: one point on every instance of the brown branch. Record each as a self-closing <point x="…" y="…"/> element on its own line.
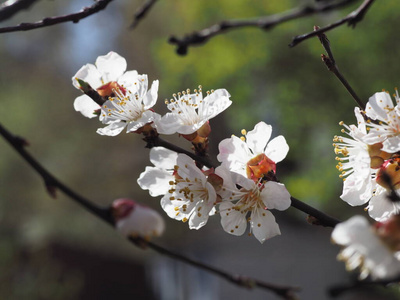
<point x="51" y="182"/>
<point x="141" y="12"/>
<point x="351" y="19"/>
<point x="9" y="8"/>
<point x="286" y="292"/>
<point x="268" y="22"/>
<point x="330" y="63"/>
<point x="75" y="18"/>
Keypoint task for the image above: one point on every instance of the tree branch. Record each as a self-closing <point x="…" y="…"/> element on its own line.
<point x="75" y="18"/>
<point x="351" y="19"/>
<point x="18" y="144"/>
<point x="141" y="12"/>
<point x="330" y="63"/>
<point x="11" y="7"/>
<point x="202" y="36"/>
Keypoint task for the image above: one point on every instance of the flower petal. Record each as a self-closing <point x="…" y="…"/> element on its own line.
<point x="275" y="196"/>
<point x="163" y="158"/>
<point x="232" y="221"/>
<point x="277" y="149"/>
<point x="263" y="225"/>
<point x="89" y="74"/>
<point x="155" y="180"/>
<point x="113" y="129"/>
<point x="86" y="106"/>
<point x="151" y="96"/>
<point x="258" y="138"/>
<point x="381" y="207"/>
<point x="111" y="66"/>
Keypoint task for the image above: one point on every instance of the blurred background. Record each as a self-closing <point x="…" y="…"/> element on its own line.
<point x="54" y="249"/>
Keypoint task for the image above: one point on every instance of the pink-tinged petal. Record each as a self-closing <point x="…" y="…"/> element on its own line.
<point x="86" y="106"/>
<point x="128" y="80"/>
<point x="277" y="149"/>
<point x="169" y="124"/>
<point x="263" y="225"/>
<point x="155" y="180"/>
<point x="111" y="66"/>
<point x="232" y="221"/>
<point x="151" y="96"/>
<point x="234" y="154"/>
<point x="382" y="208"/>
<point x="163" y="158"/>
<point x="275" y="196"/>
<point x="89" y="74"/>
<point x="258" y="138"/>
<point x="113" y="129"/>
<point x="142" y="221"/>
<point x="379" y="105"/>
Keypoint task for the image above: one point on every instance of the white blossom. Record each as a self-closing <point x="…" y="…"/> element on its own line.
<point x="107" y="73"/>
<point x="250" y="204"/>
<point x="189" y="112"/>
<point x="254" y="155"/>
<point x="190" y="197"/>
<point x="364" y="250"/>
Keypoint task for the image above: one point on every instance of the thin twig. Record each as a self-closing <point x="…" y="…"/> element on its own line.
<point x="338" y="290"/>
<point x="11" y="7"/>
<point x="18" y="144"/>
<point x="351" y="19"/>
<point x="50" y="181"/>
<point x="330" y="63"/>
<point x="141" y="12"/>
<point x="202" y="36"/>
<point x="286" y="292"/>
<point x="322" y="218"/>
<point x="75" y="18"/>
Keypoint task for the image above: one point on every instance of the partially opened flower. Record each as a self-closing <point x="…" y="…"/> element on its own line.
<point x="191" y="196"/>
<point x="129" y="109"/>
<point x="364" y="250"/>
<point x="250" y="204"/>
<point x="134" y="219"/>
<point x="157" y="179"/>
<point x="190" y="112"/>
<point x="107" y="75"/>
<point x="253" y="156"/>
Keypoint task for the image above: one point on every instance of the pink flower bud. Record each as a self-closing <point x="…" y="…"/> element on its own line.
<point x="134" y="219"/>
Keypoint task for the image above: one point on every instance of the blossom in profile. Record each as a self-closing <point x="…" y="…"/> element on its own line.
<point x="133" y="219"/>
<point x="253" y="155"/>
<point x="363" y="249"/>
<point x="191" y="196"/>
<point x="250" y="204"/>
<point x="385" y="122"/>
<point x="157" y="179"/>
<point x="106" y="75"/>
<point x="130" y="110"/>
<point x="190" y="112"/>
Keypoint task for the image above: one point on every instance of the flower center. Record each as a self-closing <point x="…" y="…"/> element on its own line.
<point x="107" y="90"/>
<point x="259" y="167"/>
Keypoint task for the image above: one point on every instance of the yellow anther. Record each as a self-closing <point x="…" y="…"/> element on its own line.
<point x="243" y="131"/>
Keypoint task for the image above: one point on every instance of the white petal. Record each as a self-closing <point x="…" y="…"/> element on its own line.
<point x="263" y="225"/>
<point x="151" y="96"/>
<point x="345" y="232"/>
<point x="111" y="66"/>
<point x="232" y="221"/>
<point x="377" y="105"/>
<point x="275" y="196"/>
<point x="128" y="80"/>
<point x="113" y="129"/>
<point x="169" y="124"/>
<point x="391" y="145"/>
<point x="277" y="149"/>
<point x="86" y="106"/>
<point x="155" y="180"/>
<point x="258" y="138"/>
<point x="163" y="158"/>
<point x="356" y="190"/>
<point x="234" y="154"/>
<point x="89" y="74"/>
<point x="381" y="208"/>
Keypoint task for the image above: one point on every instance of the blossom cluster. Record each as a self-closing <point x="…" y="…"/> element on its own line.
<point x="243" y="189"/>
<point x="369" y="162"/>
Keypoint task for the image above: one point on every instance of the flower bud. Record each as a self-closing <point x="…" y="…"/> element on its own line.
<point x="134" y="219"/>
